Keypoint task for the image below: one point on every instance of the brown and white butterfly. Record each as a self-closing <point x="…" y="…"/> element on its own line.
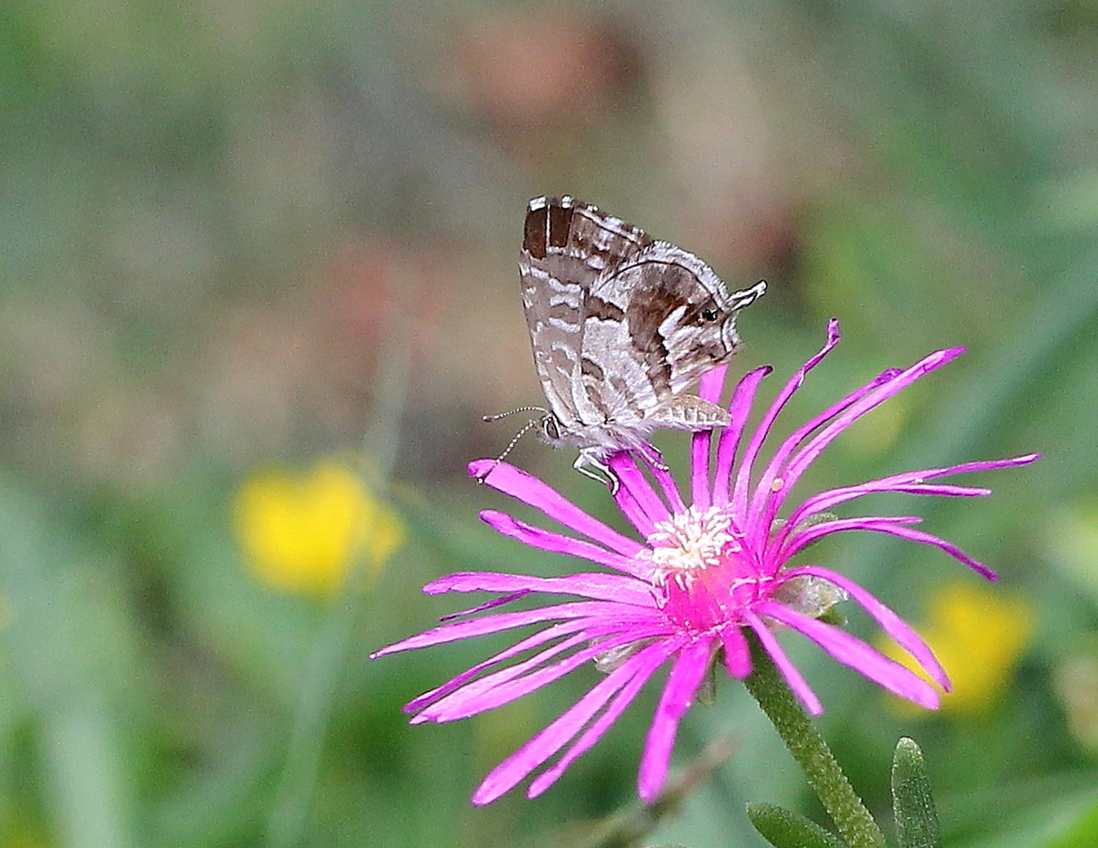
<point x="621" y="327"/>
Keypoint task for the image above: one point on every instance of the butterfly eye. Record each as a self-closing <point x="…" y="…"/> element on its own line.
<point x="550" y="427"/>
<point x="709" y="315"/>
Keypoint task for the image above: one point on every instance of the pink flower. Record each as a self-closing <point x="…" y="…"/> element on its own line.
<point x="702" y="575"/>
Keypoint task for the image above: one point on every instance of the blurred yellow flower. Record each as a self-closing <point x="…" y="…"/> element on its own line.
<point x="979" y="635"/>
<point x="303" y="532"/>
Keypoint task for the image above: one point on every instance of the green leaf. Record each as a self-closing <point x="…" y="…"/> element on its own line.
<point x="1081" y="833"/>
<point x="912" y="805"/>
<point x="785" y="829"/>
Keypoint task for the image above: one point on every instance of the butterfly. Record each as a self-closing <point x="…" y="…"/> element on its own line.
<point x="621" y="326"/>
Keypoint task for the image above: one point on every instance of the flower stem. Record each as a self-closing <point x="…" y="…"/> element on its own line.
<point x="288" y="818"/>
<point x="631" y="827"/>
<point x="853" y="821"/>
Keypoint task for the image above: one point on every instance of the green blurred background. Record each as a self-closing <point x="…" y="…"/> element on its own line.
<point x="241" y="239"/>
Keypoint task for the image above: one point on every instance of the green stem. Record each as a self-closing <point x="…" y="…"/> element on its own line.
<point x="853" y="821"/>
<point x="293" y="795"/>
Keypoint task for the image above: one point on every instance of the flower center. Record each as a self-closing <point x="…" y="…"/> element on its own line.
<point x="701" y="572"/>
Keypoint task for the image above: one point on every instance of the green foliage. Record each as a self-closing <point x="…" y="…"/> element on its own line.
<point x="912" y="804"/>
<point x="786" y="829"/>
<point x="1083" y="831"/>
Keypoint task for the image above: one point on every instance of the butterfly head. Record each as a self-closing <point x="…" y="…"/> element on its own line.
<point x="550" y="429"/>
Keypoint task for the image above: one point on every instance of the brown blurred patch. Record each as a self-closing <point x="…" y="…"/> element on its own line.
<point x="532" y="71"/>
<point x="130" y="436"/>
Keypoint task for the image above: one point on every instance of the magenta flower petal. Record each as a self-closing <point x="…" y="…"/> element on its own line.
<point x="771" y="479"/>
<point x="804" y="457"/>
<point x="550" y="633"/>
<point x="699" y="579"/>
<point x="497" y="623"/>
<point x="669" y="488"/>
<point x="636" y="498"/>
<point x="739" y="489"/>
<point x="800" y="540"/>
<point x="547" y="540"/>
<point x="737" y="653"/>
<point x="596" y="586"/>
<point x="530" y="490"/>
<point x="709" y="388"/>
<point x="711" y="384"/>
<point x="682" y="685"/>
<point x="826" y="501"/>
<point x="910" y="482"/>
<point x="508" y="684"/>
<point x="789" y="671"/>
<point x="554" y="737"/>
<point x="729" y="444"/>
<point x="642" y="666"/>
<point x="942" y="544"/>
<point x="855" y="653"/>
<point x="899" y="630"/>
<point x="701" y="444"/>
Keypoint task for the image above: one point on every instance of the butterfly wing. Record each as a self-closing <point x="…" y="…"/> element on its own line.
<point x="567" y="246"/>
<point x="679" y="316"/>
<point x="679" y="322"/>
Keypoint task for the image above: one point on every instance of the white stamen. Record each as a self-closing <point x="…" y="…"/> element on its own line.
<point x="691" y="541"/>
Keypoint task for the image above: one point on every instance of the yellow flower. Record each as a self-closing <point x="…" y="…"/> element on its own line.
<point x="979" y="635"/>
<point x="303" y="532"/>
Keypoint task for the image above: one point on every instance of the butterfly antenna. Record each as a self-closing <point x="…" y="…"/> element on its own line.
<point x="500" y="415"/>
<point x="533" y="422"/>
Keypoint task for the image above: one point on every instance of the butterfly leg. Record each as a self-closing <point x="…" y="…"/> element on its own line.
<point x="652" y="456"/>
<point x="590" y="463"/>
